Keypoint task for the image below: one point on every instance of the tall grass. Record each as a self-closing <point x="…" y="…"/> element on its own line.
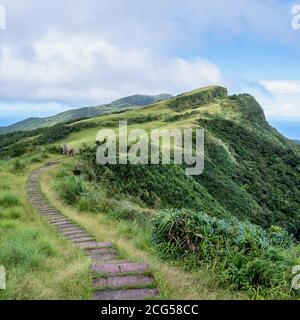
<point x="243" y="255"/>
<point x="18" y="166"/>
<point x="38" y="263"/>
<point x="8" y="199"/>
<point x="24" y="247"/>
<point x="70" y="189"/>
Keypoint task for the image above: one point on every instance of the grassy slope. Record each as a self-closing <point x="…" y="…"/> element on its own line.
<point x="173" y="281"/>
<point x="34" y="256"/>
<point x="241" y="148"/>
<point x="224" y="166"/>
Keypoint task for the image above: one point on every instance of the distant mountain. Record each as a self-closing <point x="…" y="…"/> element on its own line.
<point x="134" y="101"/>
<point x="297" y="141"/>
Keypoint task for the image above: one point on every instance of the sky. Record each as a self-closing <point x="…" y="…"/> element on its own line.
<point x="56" y="55"/>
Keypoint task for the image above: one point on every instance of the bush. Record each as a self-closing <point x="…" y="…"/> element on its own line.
<point x="62" y="173"/>
<point x="11" y="213"/>
<point x="17" y="166"/>
<point x="70" y="188"/>
<point x="53" y="149"/>
<point x="35" y="159"/>
<point x="3" y="166"/>
<point x="89" y="202"/>
<point x="239" y="252"/>
<point x="25" y="248"/>
<point x="8" y="200"/>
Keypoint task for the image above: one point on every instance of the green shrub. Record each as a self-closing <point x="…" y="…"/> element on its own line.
<point x="8" y="200"/>
<point x="126" y="210"/>
<point x="17" y="166"/>
<point x="26" y="249"/>
<point x="36" y="159"/>
<point x="89" y="202"/>
<point x="3" y="165"/>
<point x="10" y="213"/>
<point x="240" y="253"/>
<point x="53" y="149"/>
<point x="62" y="173"/>
<point x="70" y="188"/>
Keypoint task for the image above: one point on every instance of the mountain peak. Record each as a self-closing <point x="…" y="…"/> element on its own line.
<point x="141" y="100"/>
<point x="197" y="98"/>
<point x="248" y="108"/>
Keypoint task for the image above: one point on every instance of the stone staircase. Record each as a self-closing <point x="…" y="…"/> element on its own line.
<point x="113" y="278"/>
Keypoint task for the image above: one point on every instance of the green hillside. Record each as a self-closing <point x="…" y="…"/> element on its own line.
<point x="240" y="218"/>
<point x="87" y="112"/>
<point x="251" y="171"/>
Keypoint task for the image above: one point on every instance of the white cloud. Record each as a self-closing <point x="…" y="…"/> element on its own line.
<point x="102" y="50"/>
<point x="282" y="87"/>
<point x="283" y="101"/>
<point x="72" y="68"/>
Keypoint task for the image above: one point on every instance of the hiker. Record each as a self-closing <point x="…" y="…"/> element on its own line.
<point x="65" y="150"/>
<point x="71" y="152"/>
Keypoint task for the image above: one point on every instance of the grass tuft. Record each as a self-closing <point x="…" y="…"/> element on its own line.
<point x="8" y="200"/>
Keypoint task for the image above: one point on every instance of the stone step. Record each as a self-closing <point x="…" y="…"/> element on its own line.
<point x="44" y="208"/>
<point x="57" y="218"/>
<point x="115" y="261"/>
<point x="61" y="223"/>
<point x="67" y="227"/>
<point x="46" y="211"/>
<point x="125" y="281"/>
<point x="50" y="211"/>
<point x="105" y="257"/>
<point x="50" y="215"/>
<point x="54" y="218"/>
<point x="128" y="294"/>
<point x="99" y="251"/>
<point x="74" y="231"/>
<point x="121" y="268"/>
<point x="74" y="236"/>
<point x="38" y="204"/>
<point x="95" y="245"/>
<point x="58" y="223"/>
<point x="82" y="239"/>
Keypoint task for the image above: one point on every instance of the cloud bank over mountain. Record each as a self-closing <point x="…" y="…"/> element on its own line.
<point x="92" y="52"/>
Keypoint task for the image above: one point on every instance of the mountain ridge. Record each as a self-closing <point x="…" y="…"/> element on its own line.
<point x="133" y="101"/>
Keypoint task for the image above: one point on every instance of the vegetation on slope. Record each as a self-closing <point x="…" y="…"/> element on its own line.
<point x="119" y="220"/>
<point x="246" y="256"/>
<point x="33" y="256"/>
<point x="250" y="187"/>
<point x="87" y="112"/>
<point x="242" y="256"/>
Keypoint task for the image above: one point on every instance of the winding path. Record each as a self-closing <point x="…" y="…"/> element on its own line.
<point x="113" y="278"/>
